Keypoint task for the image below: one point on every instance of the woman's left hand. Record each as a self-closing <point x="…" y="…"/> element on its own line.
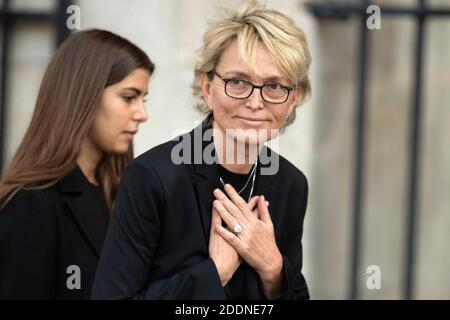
<point x="255" y="243"/>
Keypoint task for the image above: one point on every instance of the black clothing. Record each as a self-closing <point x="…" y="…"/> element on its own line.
<point x="44" y="232"/>
<point x="157" y="242"/>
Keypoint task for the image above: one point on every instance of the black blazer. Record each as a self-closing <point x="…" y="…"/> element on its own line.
<point x="43" y="232"/>
<point x="157" y="242"/>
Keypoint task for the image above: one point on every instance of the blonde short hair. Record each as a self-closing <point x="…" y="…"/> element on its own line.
<point x="250" y="25"/>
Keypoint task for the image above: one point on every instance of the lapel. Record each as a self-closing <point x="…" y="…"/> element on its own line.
<point x="207" y="179"/>
<point x="265" y="185"/>
<point x="85" y="208"/>
<point x="204" y="190"/>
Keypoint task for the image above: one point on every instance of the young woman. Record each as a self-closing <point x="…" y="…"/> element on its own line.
<point x="57" y="194"/>
<point x="191" y="221"/>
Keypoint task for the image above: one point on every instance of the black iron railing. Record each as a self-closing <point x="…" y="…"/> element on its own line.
<point x="421" y="12"/>
<point x="8" y="18"/>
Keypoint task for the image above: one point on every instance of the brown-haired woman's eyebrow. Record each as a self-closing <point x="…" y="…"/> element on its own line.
<point x="135" y="90"/>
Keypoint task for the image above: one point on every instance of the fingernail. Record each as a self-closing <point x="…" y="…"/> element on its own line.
<point x="267" y="203"/>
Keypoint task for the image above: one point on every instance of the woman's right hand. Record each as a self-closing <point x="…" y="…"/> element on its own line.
<point x="225" y="257"/>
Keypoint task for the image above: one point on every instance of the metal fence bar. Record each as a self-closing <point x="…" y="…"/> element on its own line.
<point x="24" y="16"/>
<point x="414" y="174"/>
<point x="359" y="150"/>
<point x="344" y="10"/>
<point x="8" y="18"/>
<point x="62" y="32"/>
<point x="3" y="79"/>
<point x="420" y="12"/>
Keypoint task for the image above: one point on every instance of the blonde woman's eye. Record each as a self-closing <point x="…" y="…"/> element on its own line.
<point x="237" y="82"/>
<point x="273" y="86"/>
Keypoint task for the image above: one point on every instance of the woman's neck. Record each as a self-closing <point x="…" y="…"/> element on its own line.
<point x="88" y="160"/>
<point x="234" y="155"/>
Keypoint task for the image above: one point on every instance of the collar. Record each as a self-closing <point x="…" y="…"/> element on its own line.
<point x="76" y="193"/>
<point x="207" y="176"/>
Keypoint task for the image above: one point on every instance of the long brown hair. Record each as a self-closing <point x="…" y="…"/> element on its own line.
<point x="69" y="96"/>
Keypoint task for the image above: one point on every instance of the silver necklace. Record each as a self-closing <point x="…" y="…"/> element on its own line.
<point x="251" y="176"/>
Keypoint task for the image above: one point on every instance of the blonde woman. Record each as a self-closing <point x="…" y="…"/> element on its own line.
<point x="192" y="221"/>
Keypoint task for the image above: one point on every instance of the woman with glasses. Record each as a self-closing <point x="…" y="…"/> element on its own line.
<point x="214" y="214"/>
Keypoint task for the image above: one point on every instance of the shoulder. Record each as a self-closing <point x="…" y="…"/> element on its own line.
<point x="30" y="211"/>
<point x="163" y="161"/>
<point x="286" y="171"/>
<point x="148" y="173"/>
<point x="32" y="200"/>
<point x="157" y="157"/>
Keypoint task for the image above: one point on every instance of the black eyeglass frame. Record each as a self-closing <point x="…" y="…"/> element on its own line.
<point x="226" y="80"/>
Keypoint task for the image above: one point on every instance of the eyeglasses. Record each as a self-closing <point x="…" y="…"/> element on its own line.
<point x="241" y="89"/>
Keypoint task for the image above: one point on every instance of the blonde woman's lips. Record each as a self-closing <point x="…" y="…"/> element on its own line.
<point x="252" y="121"/>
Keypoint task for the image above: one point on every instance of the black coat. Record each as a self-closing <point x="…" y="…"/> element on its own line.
<point x="157" y="242"/>
<point x="43" y="232"/>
